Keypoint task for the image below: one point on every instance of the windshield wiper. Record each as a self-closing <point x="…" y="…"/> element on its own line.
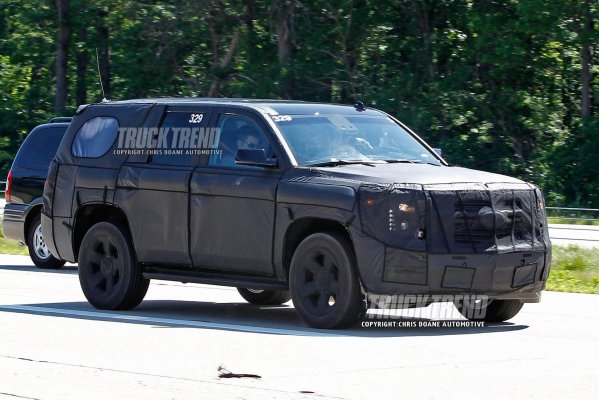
<point x="410" y="162"/>
<point x="336" y="163"/>
<point x="402" y="161"/>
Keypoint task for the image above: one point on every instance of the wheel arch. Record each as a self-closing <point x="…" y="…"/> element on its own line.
<point x="90" y="214"/>
<point x="30" y="214"/>
<point x="301" y="228"/>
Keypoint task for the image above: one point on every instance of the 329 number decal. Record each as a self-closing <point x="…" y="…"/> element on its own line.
<point x="281" y="118"/>
<point x="196" y="118"/>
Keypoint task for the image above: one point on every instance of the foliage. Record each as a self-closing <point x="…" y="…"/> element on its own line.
<point x="497" y="84"/>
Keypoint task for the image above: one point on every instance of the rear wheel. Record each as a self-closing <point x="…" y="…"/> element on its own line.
<point x="264" y="297"/>
<point x="38" y="251"/>
<point x="109" y="274"/>
<point x="489" y="311"/>
<point x="324" y="284"/>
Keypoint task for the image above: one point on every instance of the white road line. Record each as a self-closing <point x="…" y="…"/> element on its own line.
<point x="167" y="321"/>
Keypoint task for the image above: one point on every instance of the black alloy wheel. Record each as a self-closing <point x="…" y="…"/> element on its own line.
<point x="109" y="274"/>
<point x="324" y="283"/>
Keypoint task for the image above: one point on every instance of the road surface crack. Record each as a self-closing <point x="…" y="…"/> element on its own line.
<point x="225" y="373"/>
<point x="17" y="396"/>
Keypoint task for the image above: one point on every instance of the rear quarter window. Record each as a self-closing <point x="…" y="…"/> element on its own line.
<point x="40" y="147"/>
<point x="95" y="137"/>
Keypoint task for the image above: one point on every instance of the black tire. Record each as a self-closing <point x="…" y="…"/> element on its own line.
<point x="265" y="297"/>
<point x="38" y="251"/>
<point x="109" y="274"/>
<point x="324" y="284"/>
<point x="492" y="311"/>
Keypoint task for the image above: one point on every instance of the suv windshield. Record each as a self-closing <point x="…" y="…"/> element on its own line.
<point x="320" y="139"/>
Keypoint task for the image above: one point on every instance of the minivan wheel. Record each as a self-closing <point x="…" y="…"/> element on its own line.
<point x="324" y="284"/>
<point x="38" y="251"/>
<point x="489" y="310"/>
<point x="109" y="274"/>
<point x="265" y="297"/>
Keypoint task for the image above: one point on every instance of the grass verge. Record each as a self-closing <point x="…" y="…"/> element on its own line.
<point x="574" y="269"/>
<point x="8" y="246"/>
<point x="558" y="220"/>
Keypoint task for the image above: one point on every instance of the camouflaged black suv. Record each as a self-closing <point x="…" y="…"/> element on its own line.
<point x="325" y="204"/>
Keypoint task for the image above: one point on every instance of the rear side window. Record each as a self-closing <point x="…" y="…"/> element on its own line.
<point x="95" y="137"/>
<point x="182" y="121"/>
<point x="40" y="147"/>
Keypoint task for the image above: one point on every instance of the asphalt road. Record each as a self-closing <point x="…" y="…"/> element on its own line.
<point x="53" y="345"/>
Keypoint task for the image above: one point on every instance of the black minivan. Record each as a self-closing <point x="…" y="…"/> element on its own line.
<point x="24" y="188"/>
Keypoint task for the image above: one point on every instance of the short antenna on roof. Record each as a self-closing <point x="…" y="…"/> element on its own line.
<point x="104" y="100"/>
<point x="359" y="106"/>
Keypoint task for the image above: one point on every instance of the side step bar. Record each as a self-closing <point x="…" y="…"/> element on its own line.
<point x="215" y="279"/>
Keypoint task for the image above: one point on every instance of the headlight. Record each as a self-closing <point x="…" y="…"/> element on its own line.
<point x="394" y="215"/>
<point x="540" y="200"/>
<point x="407" y="208"/>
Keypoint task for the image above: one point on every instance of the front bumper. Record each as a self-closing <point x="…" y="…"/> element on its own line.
<point x="389" y="271"/>
<point x="439" y="240"/>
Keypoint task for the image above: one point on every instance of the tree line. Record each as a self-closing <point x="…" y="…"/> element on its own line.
<point x="509" y="86"/>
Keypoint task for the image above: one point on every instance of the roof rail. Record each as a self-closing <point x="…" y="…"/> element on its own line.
<point x="60" y="119"/>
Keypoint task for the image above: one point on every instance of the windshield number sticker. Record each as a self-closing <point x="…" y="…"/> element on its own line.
<point x="342" y="123"/>
<point x="281" y="118"/>
<point x="196" y="118"/>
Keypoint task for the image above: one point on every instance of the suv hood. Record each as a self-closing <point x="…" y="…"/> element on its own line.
<point x="420" y="174"/>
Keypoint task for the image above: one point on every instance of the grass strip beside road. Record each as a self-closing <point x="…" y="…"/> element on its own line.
<point x="558" y="220"/>
<point x="574" y="269"/>
<point x="8" y="246"/>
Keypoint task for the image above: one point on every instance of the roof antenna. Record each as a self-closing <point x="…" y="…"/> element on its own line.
<point x="359" y="106"/>
<point x="104" y="100"/>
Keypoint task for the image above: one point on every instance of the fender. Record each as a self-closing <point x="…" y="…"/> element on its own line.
<point x="317" y="194"/>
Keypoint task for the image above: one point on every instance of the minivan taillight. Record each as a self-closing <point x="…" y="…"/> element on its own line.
<point x="8" y="185"/>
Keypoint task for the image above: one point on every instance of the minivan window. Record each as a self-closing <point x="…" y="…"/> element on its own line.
<point x="95" y="137"/>
<point x="39" y="147"/>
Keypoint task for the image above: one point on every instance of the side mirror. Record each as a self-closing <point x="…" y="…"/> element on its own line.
<point x="255" y="158"/>
<point x="438" y="150"/>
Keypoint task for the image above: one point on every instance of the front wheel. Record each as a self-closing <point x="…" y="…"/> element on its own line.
<point x="324" y="283"/>
<point x="38" y="251"/>
<point x="489" y="310"/>
<point x="264" y="297"/>
<point x="109" y="274"/>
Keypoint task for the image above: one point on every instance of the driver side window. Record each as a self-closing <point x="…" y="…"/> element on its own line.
<point x="237" y="132"/>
